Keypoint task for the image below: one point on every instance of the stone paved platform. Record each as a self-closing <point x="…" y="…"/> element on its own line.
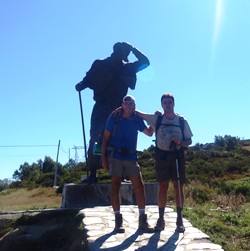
<point x="99" y="223"/>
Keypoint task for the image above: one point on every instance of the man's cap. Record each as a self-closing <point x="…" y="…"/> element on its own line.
<point x="122" y="48"/>
<point x="128" y="98"/>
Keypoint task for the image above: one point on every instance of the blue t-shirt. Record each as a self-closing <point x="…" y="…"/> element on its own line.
<point x="123" y="139"/>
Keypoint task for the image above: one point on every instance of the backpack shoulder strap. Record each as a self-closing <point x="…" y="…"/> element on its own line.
<point x="158" y="122"/>
<point x="118" y="117"/>
<point x="157" y="126"/>
<point x="181" y="121"/>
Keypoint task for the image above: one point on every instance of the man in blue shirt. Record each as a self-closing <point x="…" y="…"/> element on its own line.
<point x="119" y="158"/>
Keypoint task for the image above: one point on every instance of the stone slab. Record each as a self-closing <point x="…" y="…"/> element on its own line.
<point x="100" y="234"/>
<point x="84" y="195"/>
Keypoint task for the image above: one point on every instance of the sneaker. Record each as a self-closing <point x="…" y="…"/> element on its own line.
<point x="143" y="224"/>
<point x="160" y="225"/>
<point x="118" y="224"/>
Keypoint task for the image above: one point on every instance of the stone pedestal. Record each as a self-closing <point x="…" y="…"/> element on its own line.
<point x="84" y="195"/>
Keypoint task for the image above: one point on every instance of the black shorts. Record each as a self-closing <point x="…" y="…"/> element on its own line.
<point x="165" y="165"/>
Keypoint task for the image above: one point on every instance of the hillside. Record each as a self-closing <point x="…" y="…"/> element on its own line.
<point x="217" y="191"/>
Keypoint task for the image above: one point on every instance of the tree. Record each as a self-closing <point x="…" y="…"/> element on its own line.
<point x="231" y="142"/>
<point x="23" y="172"/>
<point x="227" y="142"/>
<point x="219" y="141"/>
<point x="4" y="184"/>
<point x="48" y="165"/>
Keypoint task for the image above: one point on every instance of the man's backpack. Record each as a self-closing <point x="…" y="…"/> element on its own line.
<point x="159" y="122"/>
<point x="118" y="118"/>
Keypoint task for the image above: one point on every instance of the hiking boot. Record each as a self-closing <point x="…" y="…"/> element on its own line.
<point x="143" y="224"/>
<point x="180" y="228"/>
<point x="179" y="225"/>
<point x="118" y="224"/>
<point x="160" y="225"/>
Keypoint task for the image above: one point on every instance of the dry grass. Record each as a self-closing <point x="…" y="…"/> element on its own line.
<point x="230" y="202"/>
<point x="49" y="230"/>
<point x="246" y="147"/>
<point x="24" y="199"/>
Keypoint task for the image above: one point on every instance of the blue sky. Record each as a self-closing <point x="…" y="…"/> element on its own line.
<point x="199" y="51"/>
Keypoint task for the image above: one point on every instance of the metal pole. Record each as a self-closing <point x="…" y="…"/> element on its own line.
<point x="55" y="175"/>
<point x="181" y="229"/>
<point x="179" y="182"/>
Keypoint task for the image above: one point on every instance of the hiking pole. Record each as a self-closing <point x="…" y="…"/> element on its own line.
<point x="173" y="147"/>
<point x="83" y="131"/>
<point x="179" y="182"/>
<point x="181" y="229"/>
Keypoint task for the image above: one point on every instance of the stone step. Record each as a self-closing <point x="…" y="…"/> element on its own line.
<point x="99" y="223"/>
<point x="94" y="202"/>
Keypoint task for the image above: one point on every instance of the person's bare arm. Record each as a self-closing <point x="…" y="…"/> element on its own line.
<point x="141" y="114"/>
<point x="149" y="131"/>
<point x="105" y="140"/>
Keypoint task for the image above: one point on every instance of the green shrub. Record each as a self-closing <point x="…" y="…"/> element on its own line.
<point x="197" y="192"/>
